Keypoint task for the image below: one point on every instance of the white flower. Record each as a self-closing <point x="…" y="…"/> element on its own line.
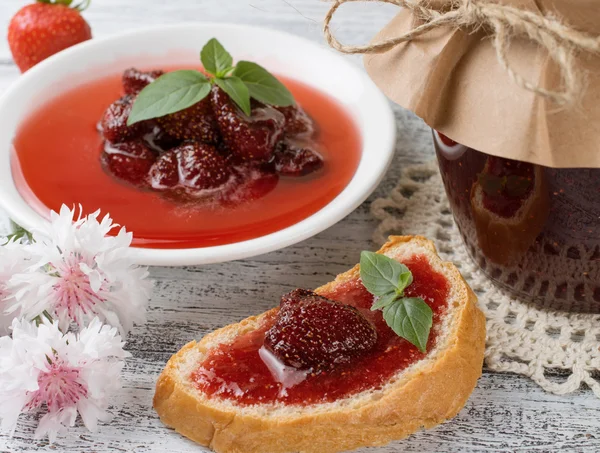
<point x="79" y="272"/>
<point x="14" y="258"/>
<point x="66" y="374"/>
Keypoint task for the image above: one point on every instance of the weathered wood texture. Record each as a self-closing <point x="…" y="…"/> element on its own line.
<point x="505" y="413"/>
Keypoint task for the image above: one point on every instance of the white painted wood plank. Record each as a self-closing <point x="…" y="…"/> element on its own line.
<point x="506" y="412"/>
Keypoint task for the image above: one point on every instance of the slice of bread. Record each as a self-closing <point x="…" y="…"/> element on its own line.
<point x="505" y="240"/>
<point x="425" y="394"/>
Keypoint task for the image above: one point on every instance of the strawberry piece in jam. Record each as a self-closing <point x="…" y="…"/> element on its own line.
<point x="196" y="123"/>
<point x="196" y="166"/>
<point x="249" y="137"/>
<point x="135" y="80"/>
<point x="129" y="161"/>
<point x="313" y="332"/>
<point x="297" y="123"/>
<point x="164" y="174"/>
<point x="295" y="158"/>
<point x="237" y="372"/>
<point x="114" y="122"/>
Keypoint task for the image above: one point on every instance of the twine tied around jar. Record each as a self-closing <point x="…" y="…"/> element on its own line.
<point x="503" y="23"/>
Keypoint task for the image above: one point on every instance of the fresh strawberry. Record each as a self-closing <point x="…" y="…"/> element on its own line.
<point x="294" y="158"/>
<point x="297" y="122"/>
<point x="114" y="122"/>
<point x="313" y="332"/>
<point x="135" y="80"/>
<point x="250" y="138"/>
<point x="129" y="161"/>
<point x="196" y="123"/>
<point x="193" y="165"/>
<point x="44" y="28"/>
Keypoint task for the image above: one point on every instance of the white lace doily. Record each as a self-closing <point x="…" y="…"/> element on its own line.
<point x="529" y="340"/>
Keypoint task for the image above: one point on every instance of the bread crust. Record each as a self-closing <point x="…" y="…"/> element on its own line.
<point x="423" y="396"/>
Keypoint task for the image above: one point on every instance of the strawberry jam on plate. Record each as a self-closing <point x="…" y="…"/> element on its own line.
<point x="184" y="189"/>
<point x="238" y="371"/>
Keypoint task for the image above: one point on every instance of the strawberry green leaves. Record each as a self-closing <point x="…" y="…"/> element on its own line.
<point x="79" y="7"/>
<point x="179" y="90"/>
<point x="410" y="317"/>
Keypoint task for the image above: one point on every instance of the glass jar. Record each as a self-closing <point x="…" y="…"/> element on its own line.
<point x="533" y="230"/>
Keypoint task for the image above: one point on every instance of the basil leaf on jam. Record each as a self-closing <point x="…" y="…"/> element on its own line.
<point x="262" y="85"/>
<point x="381" y="275"/>
<point x="409" y="317"/>
<point x="215" y="59"/>
<point x="384" y="301"/>
<point x="170" y="93"/>
<point x="237" y="91"/>
<point x="178" y="90"/>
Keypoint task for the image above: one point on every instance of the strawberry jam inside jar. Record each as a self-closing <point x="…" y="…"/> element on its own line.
<point x="532" y="229"/>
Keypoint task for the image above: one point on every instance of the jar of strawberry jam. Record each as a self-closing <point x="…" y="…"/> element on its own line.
<point x="518" y="84"/>
<point x="533" y="230"/>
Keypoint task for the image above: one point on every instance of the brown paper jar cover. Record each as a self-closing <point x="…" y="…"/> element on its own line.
<point x="452" y="79"/>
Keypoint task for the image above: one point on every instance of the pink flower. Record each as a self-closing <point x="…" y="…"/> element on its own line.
<point x="42" y="369"/>
<point x="79" y="272"/>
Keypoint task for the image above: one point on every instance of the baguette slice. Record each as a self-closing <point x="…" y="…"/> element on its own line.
<point x="425" y="394"/>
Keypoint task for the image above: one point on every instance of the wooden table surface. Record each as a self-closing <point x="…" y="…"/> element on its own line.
<point x="505" y="413"/>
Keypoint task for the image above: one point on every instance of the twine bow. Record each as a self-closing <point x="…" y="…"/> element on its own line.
<point x="503" y="22"/>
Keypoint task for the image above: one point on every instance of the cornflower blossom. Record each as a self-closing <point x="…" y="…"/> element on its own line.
<point x="78" y="272"/>
<point x="59" y="374"/>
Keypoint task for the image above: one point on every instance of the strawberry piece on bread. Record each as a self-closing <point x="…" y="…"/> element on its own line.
<point x="231" y="392"/>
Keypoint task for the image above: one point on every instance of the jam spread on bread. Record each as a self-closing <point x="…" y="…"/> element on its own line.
<point x="359" y="351"/>
<point x="204" y="176"/>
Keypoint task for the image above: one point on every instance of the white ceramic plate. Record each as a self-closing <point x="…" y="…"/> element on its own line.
<point x="281" y="53"/>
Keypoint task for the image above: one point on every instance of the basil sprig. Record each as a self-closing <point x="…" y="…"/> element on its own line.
<point x="179" y="90"/>
<point x="409" y="317"/>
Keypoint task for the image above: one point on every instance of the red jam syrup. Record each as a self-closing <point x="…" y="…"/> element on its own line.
<point x="57" y="160"/>
<point x="236" y="371"/>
